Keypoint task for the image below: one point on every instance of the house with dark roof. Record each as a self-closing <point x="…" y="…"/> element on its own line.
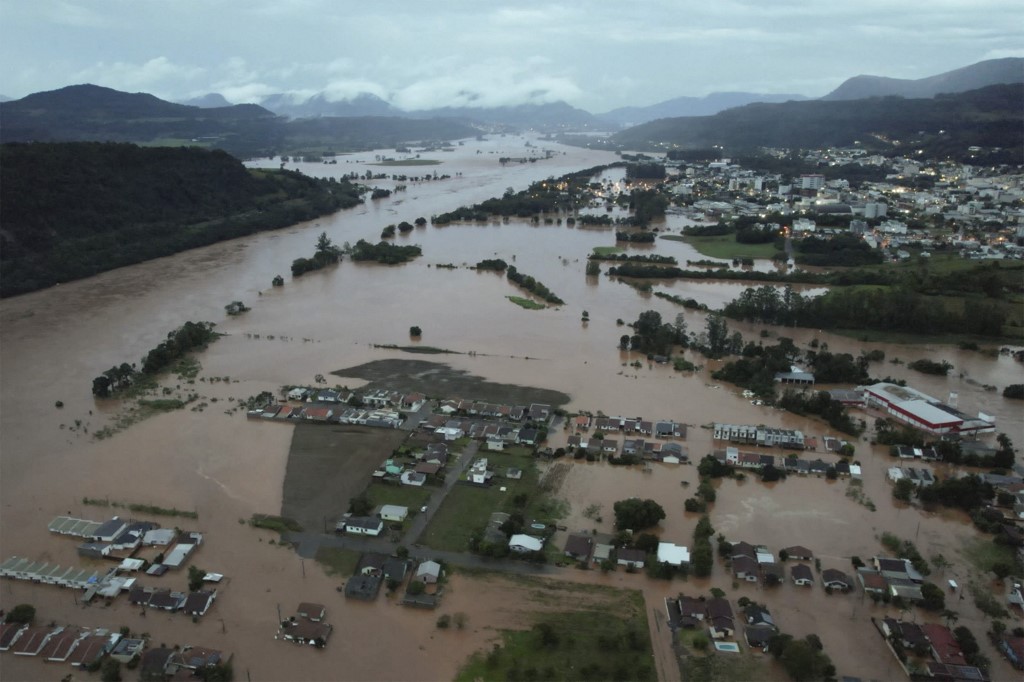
<point x="153" y="663"/>
<point x="872" y="581"/>
<point x="363" y="586"/>
<point x="744" y="549"/>
<point x="194" y="658"/>
<point x="9" y="634"/>
<point x="579" y="546"/>
<point x="720" y="618"/>
<point x="631" y="557"/>
<point x="833" y="578"/>
<point x="745" y="568"/>
<point x="198" y="603"/>
<point x="689" y="611"/>
<point x="802" y="575"/>
<point x="311" y="611"/>
<point x="93" y="648"/>
<point x="798" y="552"/>
<point x="910" y="635"/>
<point x="32" y="640"/>
<point x="60" y="646"/>
<point x="166" y="600"/>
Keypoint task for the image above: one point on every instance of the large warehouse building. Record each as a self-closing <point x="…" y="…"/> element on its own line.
<point x="922" y="411"/>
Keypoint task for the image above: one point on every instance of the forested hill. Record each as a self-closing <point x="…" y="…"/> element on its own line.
<point x="987" y="117"/>
<point x="91" y="112"/>
<point x="74" y="209"/>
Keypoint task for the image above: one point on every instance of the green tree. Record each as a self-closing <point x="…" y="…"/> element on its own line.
<point x="195" y="578"/>
<point x="22" y="613"/>
<point x="636" y="514"/>
<point x="903" y="489"/>
<point x="110" y="670"/>
<point x="415" y="331"/>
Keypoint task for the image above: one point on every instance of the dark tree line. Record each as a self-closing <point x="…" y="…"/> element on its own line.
<point x="533" y="286"/>
<point x="892" y="309"/>
<point x="75" y="209"/>
<point x="190" y="336"/>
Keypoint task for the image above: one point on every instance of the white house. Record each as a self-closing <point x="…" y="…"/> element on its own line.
<point x="450" y="433"/>
<point x="393" y="512"/>
<point x="364" y="525"/>
<point x="524" y="543"/>
<point x="672" y="554"/>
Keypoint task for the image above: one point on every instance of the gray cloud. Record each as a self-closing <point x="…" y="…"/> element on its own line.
<point x="596" y="55"/>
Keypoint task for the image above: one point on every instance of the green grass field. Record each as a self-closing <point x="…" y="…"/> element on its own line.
<point x="402" y="495"/>
<point x="467" y="508"/>
<point x="725" y="246"/>
<point x="337" y="561"/>
<point x="527" y="303"/>
<point x="601" y="635"/>
<point x="607" y="250"/>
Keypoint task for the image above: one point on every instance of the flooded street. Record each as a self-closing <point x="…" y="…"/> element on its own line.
<point x="53" y="342"/>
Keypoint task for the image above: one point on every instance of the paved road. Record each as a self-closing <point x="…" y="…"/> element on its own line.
<point x="420" y="520"/>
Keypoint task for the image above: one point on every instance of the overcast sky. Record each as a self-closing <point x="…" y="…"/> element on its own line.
<point x="594" y="54"/>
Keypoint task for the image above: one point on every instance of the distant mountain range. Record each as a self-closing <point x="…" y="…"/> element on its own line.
<point x="690" y="106"/>
<point x="986" y="117"/>
<point x="990" y="72"/>
<point x="90" y="112"/>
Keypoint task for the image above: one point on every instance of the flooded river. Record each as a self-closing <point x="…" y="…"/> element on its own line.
<point x="53" y="342"/>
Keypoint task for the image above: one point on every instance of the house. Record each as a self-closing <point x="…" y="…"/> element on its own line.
<point x="166" y="600"/>
<point x="9" y="634"/>
<point x="93" y="648"/>
<point x="910" y="635"/>
<point x="945" y="648"/>
<point x="872" y="581"/>
<point x="802" y="575"/>
<point x="744" y="549"/>
<point x="127" y="649"/>
<point x="513" y="473"/>
<point x="720" y="618"/>
<point x="198" y="603"/>
<point x="478" y="472"/>
<point x="521" y="544"/>
<point x="631" y="558"/>
<point x="745" y="568"/>
<point x="393" y="512"/>
<point x="60" y="646"/>
<point x="579" y="546"/>
<point x="32" y="640"/>
<point x="796" y="552"/>
<point x="307" y="632"/>
<point x="153" y="663"/>
<point x="363" y="586"/>
<point x="363" y="525"/>
<point x="194" y="658"/>
<point x="905" y="589"/>
<point x="428" y="572"/>
<point x="833" y="578"/>
<point x="108" y="531"/>
<point x="311" y="611"/>
<point x="528" y="436"/>
<point x="1013" y="649"/>
<point x="772" y="574"/>
<point x="672" y="554"/>
<point x="395" y="569"/>
<point x="758" y="637"/>
<point x="691" y="611"/>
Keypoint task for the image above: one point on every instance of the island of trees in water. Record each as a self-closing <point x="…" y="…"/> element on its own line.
<point x="79" y="208"/>
<point x="179" y="342"/>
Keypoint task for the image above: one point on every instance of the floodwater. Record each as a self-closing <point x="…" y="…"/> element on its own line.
<point x="53" y="342"/>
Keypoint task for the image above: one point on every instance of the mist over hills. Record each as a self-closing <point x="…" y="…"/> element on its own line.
<point x="986" y="117"/>
<point x="366" y="121"/>
<point x="989" y="72"/>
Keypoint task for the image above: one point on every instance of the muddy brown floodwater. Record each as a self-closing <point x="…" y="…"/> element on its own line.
<point x="53" y="342"/>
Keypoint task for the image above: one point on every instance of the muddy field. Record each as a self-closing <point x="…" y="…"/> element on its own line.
<point x="440" y="380"/>
<point x="328" y="466"/>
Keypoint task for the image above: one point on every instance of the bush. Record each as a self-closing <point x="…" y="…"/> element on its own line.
<point x="22" y="613"/>
<point x="1014" y="392"/>
<point x="415" y="331"/>
<point x="444" y="621"/>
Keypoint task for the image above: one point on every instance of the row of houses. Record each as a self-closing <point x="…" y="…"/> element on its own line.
<point x="894" y="577"/>
<point x="121" y="538"/>
<point x="629" y="425"/>
<point x="497" y="435"/>
<point x="919" y="477"/>
<point x="194" y="604"/>
<point x="586" y="548"/>
<point x="932" y="640"/>
<point x="669" y="453"/>
<point x="756" y="564"/>
<point x="717" y="615"/>
<point x="380" y="398"/>
<point x="761" y="435"/>
<point x="791" y="465"/>
<point x="322" y="413"/>
<point x="79" y="647"/>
